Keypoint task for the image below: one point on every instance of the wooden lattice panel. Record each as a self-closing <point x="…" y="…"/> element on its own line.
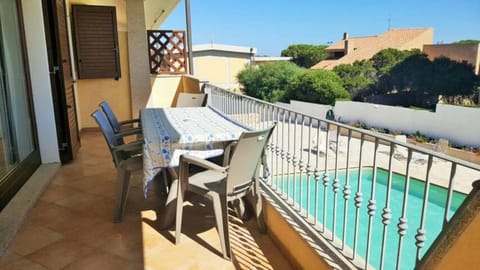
<point x="167" y="52"/>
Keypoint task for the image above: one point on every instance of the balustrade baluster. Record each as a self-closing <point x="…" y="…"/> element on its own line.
<point x="402" y="221"/>
<point x="387" y="212"/>
<point x="336" y="184"/>
<point x="325" y="181"/>
<point x="421" y="233"/>
<point x="453" y="172"/>
<point x="358" y="197"/>
<point x="371" y="203"/>
<point x="346" y="191"/>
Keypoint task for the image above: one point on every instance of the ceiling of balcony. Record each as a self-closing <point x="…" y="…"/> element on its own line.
<point x="156" y="11"/>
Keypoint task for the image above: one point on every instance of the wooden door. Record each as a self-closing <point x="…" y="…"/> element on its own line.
<point x="61" y="79"/>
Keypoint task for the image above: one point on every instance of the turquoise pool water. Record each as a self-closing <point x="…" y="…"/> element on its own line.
<point x="434" y="216"/>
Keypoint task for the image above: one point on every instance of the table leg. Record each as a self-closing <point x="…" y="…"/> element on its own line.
<point x="167" y="213"/>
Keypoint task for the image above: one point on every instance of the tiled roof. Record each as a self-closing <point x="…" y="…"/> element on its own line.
<point x="366" y="47"/>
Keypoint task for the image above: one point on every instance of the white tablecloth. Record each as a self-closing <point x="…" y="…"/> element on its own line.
<point x="170" y="132"/>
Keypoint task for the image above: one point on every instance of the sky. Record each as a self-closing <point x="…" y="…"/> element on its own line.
<point x="271" y="26"/>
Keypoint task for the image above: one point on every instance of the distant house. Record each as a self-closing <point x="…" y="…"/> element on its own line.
<point x="219" y="64"/>
<point x="259" y="60"/>
<point x="351" y="49"/>
<point x="464" y="53"/>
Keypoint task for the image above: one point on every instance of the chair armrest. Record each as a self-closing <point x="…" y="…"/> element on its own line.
<point x="128" y="132"/>
<point x="129" y="147"/>
<point x="125" y="151"/>
<point x="130" y="121"/>
<point x="189" y="159"/>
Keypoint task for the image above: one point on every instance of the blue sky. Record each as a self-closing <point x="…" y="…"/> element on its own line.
<point x="271" y="26"/>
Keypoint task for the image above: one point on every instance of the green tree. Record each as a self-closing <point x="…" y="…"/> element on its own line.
<point x="318" y="86"/>
<point x="467" y="41"/>
<point x="305" y="55"/>
<point x="357" y="77"/>
<point x="413" y="74"/>
<point x="451" y="78"/>
<point x="385" y="59"/>
<point x="268" y="81"/>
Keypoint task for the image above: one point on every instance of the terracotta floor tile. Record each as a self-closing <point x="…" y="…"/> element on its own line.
<point x="71" y="227"/>
<point x="8" y="258"/>
<point x="56" y="193"/>
<point x="80" y="201"/>
<point x="94" y="235"/>
<point x="23" y="264"/>
<point x="95" y="185"/>
<point x="103" y="261"/>
<point x="59" y="254"/>
<point x="31" y="239"/>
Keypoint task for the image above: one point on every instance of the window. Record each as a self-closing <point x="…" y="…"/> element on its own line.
<point x="96" y="41"/>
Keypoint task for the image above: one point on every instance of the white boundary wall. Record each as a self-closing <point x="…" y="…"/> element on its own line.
<point x="312" y="109"/>
<point x="460" y="125"/>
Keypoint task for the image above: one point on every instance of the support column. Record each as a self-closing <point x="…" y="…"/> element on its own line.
<point x="189" y="37"/>
<point x="137" y="56"/>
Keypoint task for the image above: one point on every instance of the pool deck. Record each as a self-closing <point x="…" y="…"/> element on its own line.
<point x="305" y="150"/>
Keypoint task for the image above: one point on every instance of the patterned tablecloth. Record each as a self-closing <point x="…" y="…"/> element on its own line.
<point x="170" y="132"/>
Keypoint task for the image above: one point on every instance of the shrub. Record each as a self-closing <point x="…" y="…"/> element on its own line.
<point x="268" y="81"/>
<point x="317" y="86"/>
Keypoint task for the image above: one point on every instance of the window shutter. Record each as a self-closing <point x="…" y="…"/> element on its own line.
<point x="96" y="41"/>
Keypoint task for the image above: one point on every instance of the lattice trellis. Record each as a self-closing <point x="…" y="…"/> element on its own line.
<point x="167" y="52"/>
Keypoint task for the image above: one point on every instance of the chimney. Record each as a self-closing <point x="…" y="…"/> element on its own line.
<point x="345" y="35"/>
<point x="348" y="46"/>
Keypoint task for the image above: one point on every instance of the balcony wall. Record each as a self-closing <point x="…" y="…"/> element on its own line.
<point x="90" y="92"/>
<point x="295" y="248"/>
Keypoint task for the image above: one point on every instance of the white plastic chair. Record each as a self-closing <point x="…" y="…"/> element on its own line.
<point x="191" y="100"/>
<point x="222" y="184"/>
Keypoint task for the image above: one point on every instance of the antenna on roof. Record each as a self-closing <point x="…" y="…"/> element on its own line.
<point x="389" y="22"/>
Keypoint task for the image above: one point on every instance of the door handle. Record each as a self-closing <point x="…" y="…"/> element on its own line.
<point x="54" y="70"/>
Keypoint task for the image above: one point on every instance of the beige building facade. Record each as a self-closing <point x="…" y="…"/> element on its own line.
<point x="351" y="49"/>
<point x="219" y="64"/>
<point x="464" y="53"/>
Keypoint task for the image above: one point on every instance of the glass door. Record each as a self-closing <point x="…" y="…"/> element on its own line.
<point x="19" y="155"/>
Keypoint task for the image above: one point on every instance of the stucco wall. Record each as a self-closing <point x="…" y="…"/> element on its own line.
<point x="297" y="250"/>
<point x="455" y="123"/>
<point x="165" y="89"/>
<point x="464" y="252"/>
<point x="219" y="69"/>
<point x="417" y="43"/>
<point x="313" y="109"/>
<point x="116" y="92"/>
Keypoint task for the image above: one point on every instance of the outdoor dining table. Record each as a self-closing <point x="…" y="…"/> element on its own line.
<point x="170" y="132"/>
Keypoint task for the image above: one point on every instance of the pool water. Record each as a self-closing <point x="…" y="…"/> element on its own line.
<point x="437" y="198"/>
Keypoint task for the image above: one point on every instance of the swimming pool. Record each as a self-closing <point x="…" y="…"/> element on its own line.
<point x="433" y="219"/>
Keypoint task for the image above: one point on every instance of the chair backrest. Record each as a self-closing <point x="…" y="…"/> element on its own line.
<point x="107" y="131"/>
<point x="245" y="159"/>
<point x="191" y="100"/>
<point x="112" y="119"/>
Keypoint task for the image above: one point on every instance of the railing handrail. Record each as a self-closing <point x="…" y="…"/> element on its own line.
<point x="414" y="147"/>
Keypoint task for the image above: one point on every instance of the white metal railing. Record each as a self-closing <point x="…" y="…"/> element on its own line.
<point x="322" y="169"/>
